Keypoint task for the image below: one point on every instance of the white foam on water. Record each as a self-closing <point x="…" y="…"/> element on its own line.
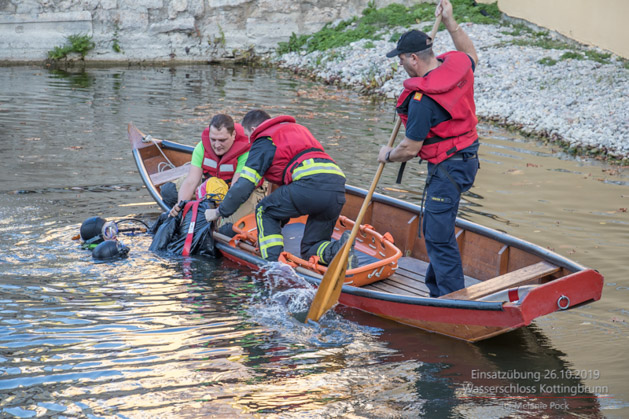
<point x="282" y="306"/>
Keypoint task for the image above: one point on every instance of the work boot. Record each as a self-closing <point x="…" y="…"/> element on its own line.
<point x="335" y="247"/>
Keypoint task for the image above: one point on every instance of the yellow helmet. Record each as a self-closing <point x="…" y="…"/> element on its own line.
<point x="213" y="189"/>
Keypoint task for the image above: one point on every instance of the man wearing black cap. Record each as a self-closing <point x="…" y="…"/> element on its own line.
<point x="438" y="111"/>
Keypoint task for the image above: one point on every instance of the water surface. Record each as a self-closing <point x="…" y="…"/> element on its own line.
<point x="159" y="336"/>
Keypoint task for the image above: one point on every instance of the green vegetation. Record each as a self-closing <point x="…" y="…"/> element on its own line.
<point x="78" y="43"/>
<point x="543" y="39"/>
<point x="540" y="39"/>
<point x="115" y="41"/>
<point x="571" y="55"/>
<point x="81" y="80"/>
<point x="578" y="55"/>
<point x="395" y="36"/>
<point x="517" y="29"/>
<point x="246" y="55"/>
<point x="599" y="57"/>
<point x="547" y="61"/>
<point x="217" y="41"/>
<point x="374" y="22"/>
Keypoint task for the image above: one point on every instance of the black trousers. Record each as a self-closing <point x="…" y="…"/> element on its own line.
<point x="323" y="208"/>
<point x="447" y="181"/>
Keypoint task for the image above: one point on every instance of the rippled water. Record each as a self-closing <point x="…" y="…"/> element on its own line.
<point x="158" y="336"/>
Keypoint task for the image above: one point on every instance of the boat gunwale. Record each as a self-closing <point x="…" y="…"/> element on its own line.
<point x="376" y="295"/>
<point x="490" y="233"/>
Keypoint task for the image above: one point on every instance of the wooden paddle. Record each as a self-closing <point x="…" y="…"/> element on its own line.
<point x="435" y="28"/>
<point x="332" y="282"/>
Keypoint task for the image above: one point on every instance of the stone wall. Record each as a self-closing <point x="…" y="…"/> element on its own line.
<point x="163" y="30"/>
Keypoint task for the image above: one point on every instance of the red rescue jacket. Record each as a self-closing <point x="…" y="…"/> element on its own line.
<point x="451" y="85"/>
<point x="294" y="143"/>
<point x="224" y="166"/>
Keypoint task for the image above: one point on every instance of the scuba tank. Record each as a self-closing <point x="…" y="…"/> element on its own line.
<point x="110" y="249"/>
<point x="101" y="237"/>
<point x="91" y="230"/>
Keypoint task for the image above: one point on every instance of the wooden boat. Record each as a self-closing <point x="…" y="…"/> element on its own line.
<point x="509" y="282"/>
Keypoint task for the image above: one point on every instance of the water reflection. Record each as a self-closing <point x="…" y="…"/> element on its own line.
<point x="156" y="336"/>
<point x="79" y="79"/>
<point x="516" y="375"/>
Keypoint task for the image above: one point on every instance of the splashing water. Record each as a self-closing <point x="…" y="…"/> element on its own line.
<point x="282" y="306"/>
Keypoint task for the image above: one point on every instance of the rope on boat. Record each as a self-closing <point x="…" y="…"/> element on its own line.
<point x="164" y="166"/>
<point x="160" y="167"/>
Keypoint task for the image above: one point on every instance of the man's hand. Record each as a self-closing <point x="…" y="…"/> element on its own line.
<point x="382" y="155"/>
<point x="212" y="214"/>
<point x="174" y="211"/>
<point x="444" y="8"/>
<point x="462" y="42"/>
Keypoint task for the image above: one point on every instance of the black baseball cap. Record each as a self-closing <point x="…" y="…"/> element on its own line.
<point x="411" y="41"/>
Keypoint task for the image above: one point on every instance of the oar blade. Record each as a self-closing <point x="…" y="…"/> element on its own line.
<point x="334" y="276"/>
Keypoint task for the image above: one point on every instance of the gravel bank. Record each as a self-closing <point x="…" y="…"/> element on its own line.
<point x="582" y="103"/>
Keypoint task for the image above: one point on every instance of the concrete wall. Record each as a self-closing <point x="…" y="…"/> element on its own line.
<point x="601" y="23"/>
<point x="158" y="30"/>
<point x="202" y="30"/>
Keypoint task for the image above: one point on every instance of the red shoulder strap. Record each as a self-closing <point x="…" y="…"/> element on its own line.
<point x="188" y="243"/>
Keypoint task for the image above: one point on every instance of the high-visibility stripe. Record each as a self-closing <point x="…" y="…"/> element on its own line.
<point x="310" y="167"/>
<point x="269" y="241"/>
<point x="210" y="163"/>
<point x="226" y="168"/>
<point x="259" y="221"/>
<point x="251" y="175"/>
<point x="265" y="242"/>
<point x="320" y="251"/>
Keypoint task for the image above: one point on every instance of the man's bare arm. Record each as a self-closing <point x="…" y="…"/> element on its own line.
<point x="462" y="42"/>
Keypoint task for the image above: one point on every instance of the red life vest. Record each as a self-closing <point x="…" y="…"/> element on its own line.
<point x="294" y="144"/>
<point x="451" y="85"/>
<point x="224" y="166"/>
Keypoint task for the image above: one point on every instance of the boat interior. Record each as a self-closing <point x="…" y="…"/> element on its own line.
<point x="490" y="266"/>
<point x="409" y="278"/>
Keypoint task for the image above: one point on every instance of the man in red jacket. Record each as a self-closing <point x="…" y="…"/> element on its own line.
<point x="222" y="153"/>
<point x="310" y="183"/>
<point x="438" y="110"/>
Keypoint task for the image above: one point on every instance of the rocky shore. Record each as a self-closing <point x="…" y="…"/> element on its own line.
<point x="581" y="102"/>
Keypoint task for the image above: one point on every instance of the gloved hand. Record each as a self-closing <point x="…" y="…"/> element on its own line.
<point x="212" y="214"/>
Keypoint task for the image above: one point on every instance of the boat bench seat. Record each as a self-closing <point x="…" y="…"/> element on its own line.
<point x="169" y="175"/>
<point x="512" y="279"/>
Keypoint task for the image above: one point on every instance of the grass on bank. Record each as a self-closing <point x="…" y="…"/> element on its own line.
<point x="78" y="43"/>
<point x="544" y="40"/>
<point x="375" y="22"/>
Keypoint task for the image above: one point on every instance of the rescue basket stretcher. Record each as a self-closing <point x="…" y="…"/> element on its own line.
<point x="376" y="252"/>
